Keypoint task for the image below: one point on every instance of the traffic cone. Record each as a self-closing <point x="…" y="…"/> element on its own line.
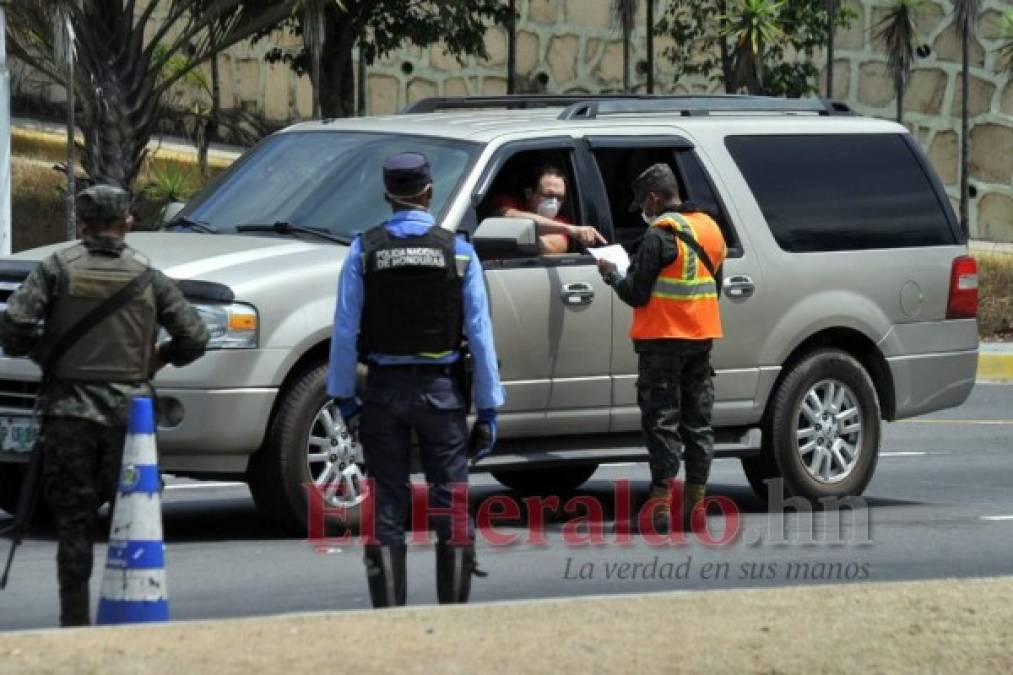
<point x="133" y="588"/>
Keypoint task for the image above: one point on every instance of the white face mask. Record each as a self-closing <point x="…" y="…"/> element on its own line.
<point x="548" y="207"/>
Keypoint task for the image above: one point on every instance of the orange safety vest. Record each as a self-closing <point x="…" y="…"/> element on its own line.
<point x="684" y="302"/>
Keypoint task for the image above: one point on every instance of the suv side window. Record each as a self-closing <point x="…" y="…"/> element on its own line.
<point x="516" y="176"/>
<point x="619" y="166"/>
<point x="842" y="192"/>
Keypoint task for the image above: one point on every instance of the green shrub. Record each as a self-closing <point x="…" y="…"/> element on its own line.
<point x="995" y="305"/>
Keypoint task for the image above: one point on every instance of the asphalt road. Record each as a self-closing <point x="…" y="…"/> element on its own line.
<point x="940" y="505"/>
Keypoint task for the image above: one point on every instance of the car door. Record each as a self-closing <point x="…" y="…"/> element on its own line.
<point x="734" y="357"/>
<point x="552" y="321"/>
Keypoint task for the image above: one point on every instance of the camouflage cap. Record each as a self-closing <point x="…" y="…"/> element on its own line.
<point x="103" y="202"/>
<point x="655" y="178"/>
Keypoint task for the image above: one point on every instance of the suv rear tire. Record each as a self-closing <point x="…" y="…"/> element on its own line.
<point x="280" y="471"/>
<point x="546" y="481"/>
<point x="824" y="429"/>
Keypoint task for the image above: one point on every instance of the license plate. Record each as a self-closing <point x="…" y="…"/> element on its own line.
<point x="18" y="434"/>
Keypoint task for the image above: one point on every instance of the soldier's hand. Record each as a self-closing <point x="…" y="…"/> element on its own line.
<point x="483" y="435"/>
<point x="606" y="267"/>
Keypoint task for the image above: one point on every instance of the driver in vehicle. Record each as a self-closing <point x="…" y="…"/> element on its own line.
<point x="543" y="202"/>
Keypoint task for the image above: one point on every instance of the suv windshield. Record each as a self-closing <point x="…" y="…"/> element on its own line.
<point x="331" y="181"/>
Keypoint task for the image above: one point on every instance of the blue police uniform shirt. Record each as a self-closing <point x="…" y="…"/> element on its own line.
<point x="477" y="327"/>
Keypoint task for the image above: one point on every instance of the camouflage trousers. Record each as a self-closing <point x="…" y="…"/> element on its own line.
<point x="675" y="391"/>
<point x="81" y="465"/>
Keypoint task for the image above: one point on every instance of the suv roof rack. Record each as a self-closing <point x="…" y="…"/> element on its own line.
<point x="703" y="105"/>
<point x="590" y="106"/>
<point x="507" y="102"/>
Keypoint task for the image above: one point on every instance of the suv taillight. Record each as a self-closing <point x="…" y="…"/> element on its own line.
<point x="963" y="302"/>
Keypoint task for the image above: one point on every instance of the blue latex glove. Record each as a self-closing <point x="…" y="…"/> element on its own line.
<point x="350" y="409"/>
<point x="483" y="435"/>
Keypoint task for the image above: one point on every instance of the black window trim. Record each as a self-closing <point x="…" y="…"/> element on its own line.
<point x="491" y="171"/>
<point x="921" y="160"/>
<point x="680" y="147"/>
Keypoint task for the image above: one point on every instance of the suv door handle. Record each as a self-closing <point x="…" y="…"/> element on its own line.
<point x="740" y="286"/>
<point x="578" y="294"/>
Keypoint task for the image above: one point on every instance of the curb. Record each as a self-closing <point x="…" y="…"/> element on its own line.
<point x="995" y="366"/>
<point x="58" y="143"/>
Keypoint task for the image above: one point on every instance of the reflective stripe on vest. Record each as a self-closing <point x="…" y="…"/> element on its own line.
<point x="684" y="301"/>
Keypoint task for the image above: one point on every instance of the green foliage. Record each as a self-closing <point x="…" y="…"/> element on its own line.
<point x="390" y="24"/>
<point x="705" y="41"/>
<point x="171" y="182"/>
<point x="1006" y="51"/>
<point x="899" y="32"/>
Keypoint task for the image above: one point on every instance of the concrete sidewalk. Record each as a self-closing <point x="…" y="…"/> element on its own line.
<point x="936" y="626"/>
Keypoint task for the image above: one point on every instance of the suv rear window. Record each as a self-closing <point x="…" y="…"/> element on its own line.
<point x="842" y="192"/>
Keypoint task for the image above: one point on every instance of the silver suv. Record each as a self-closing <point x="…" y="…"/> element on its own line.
<point x="848" y="294"/>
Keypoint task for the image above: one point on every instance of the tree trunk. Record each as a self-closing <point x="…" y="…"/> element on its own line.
<point x="965" y="151"/>
<point x="831" y="29"/>
<point x="900" y="100"/>
<point x="337" y="90"/>
<point x="650" y="46"/>
<point x="211" y="124"/>
<point x="512" y="49"/>
<point x="728" y="58"/>
<point x="627" y="48"/>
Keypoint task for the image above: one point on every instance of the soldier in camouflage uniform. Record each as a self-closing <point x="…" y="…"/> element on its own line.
<point x="675" y="321"/>
<point x="84" y="398"/>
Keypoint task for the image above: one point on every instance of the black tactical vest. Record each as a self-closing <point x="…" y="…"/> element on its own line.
<point x="413" y="293"/>
<point x="120" y="348"/>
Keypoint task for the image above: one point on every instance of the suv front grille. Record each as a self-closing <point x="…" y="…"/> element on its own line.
<point x="18" y="396"/>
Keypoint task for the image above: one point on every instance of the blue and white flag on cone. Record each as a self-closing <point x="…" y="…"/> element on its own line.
<point x="133" y="588"/>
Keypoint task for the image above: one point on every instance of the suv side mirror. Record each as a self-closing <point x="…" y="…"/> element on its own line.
<point x="170" y="212"/>
<point x="506" y="238"/>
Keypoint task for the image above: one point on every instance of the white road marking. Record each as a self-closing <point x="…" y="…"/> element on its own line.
<point x="997" y="518"/>
<point x="197" y="486"/>
<point x="902" y="454"/>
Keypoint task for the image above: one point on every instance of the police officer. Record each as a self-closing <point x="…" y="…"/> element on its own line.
<point x="85" y="394"/>
<point x="673" y="285"/>
<point x="409" y="293"/>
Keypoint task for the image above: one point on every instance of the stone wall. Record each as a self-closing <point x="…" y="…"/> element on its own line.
<point x="574" y="46"/>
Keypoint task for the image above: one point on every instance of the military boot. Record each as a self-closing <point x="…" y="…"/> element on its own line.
<point x="387" y="575"/>
<point x="454" y="567"/>
<point x="661" y="517"/>
<point x="74" y="606"/>
<point x="694" y="494"/>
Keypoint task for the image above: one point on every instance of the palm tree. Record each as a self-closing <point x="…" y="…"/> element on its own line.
<point x="626" y="13"/>
<point x="898" y="31"/>
<point x="967" y="12"/>
<point x="752" y="24"/>
<point x="1006" y="51"/>
<point x="122" y="49"/>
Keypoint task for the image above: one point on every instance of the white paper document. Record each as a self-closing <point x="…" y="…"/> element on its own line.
<point x="614" y="254"/>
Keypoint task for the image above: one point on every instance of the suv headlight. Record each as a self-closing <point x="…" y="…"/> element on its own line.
<point x="231" y="326"/>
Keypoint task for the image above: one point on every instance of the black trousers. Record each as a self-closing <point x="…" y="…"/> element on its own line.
<point x="675" y="391"/>
<point x="428" y="401"/>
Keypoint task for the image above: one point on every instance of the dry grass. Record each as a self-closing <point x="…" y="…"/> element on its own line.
<point x="37" y="204"/>
<point x="943" y="626"/>
<point x="995" y="309"/>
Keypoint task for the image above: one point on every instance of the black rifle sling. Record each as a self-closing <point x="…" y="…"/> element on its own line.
<point x="688" y="239"/>
<point x="110" y="306"/>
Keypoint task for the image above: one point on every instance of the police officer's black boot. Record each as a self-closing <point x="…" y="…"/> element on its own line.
<point x="454" y="567"/>
<point x="74" y="609"/>
<point x="387" y="575"/>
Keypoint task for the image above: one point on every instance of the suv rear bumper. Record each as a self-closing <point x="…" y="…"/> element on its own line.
<point x="925" y="383"/>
